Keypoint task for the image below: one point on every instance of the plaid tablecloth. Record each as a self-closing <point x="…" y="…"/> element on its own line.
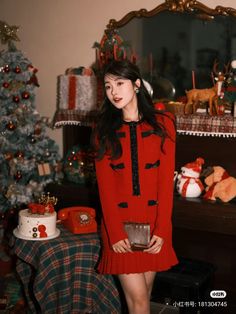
<point x="59" y="276"/>
<point x="206" y="125"/>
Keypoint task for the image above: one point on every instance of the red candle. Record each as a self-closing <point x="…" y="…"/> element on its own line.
<point x="193" y="79"/>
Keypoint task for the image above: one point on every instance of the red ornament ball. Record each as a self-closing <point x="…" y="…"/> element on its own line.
<point x="17" y="69"/>
<point x="160" y="106"/>
<point x="25" y="95"/>
<point x="16" y="99"/>
<point x="5" y="84"/>
<point x="32" y="139"/>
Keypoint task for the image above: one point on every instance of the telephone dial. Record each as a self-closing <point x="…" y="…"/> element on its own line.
<point x="78" y="219"/>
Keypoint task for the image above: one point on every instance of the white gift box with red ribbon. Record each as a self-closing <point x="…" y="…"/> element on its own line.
<point x="77" y="92"/>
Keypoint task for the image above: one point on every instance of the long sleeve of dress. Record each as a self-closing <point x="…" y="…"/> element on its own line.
<point x="108" y="197"/>
<point x="163" y="226"/>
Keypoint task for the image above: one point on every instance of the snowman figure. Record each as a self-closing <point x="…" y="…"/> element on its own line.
<point x="188" y="182"/>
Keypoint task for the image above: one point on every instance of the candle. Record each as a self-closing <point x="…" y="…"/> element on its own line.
<point x="115" y="48"/>
<point x="234" y="110"/>
<point x="193" y="79"/>
<point x="123" y="53"/>
<point x="133" y="57"/>
<point x="150" y="63"/>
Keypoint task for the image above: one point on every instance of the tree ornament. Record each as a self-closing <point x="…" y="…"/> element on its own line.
<point x="25" y="95"/>
<point x="47" y="153"/>
<point x="18" y="175"/>
<point x="19" y="155"/>
<point x="17" y="69"/>
<point x="6" y="69"/>
<point x="37" y="129"/>
<point x="11" y="126"/>
<point x="32" y="139"/>
<point x="16" y="99"/>
<point x="8" y="156"/>
<point x="5" y="84"/>
<point x="33" y="80"/>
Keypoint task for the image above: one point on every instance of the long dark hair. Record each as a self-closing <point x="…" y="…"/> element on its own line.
<point x="110" y="119"/>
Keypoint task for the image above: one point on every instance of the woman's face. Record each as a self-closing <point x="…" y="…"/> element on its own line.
<point x="121" y="91"/>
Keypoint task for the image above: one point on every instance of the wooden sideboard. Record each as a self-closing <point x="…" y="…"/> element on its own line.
<point x="196" y="213"/>
<point x="206" y="230"/>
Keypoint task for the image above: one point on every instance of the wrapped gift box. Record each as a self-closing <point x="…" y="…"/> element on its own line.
<point x="77" y="92"/>
<point x="44" y="169"/>
<point x="77" y="99"/>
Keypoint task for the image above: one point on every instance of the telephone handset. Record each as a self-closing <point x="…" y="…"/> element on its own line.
<point x="78" y="219"/>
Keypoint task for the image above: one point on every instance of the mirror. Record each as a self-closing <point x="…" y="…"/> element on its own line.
<point x="177" y="43"/>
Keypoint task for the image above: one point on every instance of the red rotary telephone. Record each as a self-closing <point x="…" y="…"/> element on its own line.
<point x="78" y="219"/>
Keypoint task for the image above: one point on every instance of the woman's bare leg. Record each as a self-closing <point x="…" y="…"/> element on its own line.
<point x="136" y="292"/>
<point x="149" y="277"/>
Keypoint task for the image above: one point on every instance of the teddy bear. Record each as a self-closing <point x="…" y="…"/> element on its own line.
<point x="220" y="185"/>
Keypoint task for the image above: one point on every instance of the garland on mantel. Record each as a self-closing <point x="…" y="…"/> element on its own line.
<point x="205" y="125"/>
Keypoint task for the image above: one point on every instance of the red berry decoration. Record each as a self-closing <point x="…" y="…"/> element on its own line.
<point x="17" y="69"/>
<point x="16" y="99"/>
<point x="25" y="95"/>
<point x="5" y="84"/>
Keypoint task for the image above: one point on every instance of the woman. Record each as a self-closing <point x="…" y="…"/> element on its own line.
<point x="135" y="144"/>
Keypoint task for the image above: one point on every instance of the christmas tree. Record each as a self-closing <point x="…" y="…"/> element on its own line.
<point x="29" y="159"/>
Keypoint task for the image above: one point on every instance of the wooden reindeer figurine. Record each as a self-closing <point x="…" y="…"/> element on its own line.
<point x="209" y="95"/>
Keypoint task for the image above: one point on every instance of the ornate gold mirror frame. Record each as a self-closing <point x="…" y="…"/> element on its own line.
<point x="197" y="8"/>
<point x="194" y="8"/>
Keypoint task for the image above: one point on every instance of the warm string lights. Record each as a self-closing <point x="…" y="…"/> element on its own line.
<point x="79" y="165"/>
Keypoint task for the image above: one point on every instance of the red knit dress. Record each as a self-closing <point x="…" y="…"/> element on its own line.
<point x="137" y="187"/>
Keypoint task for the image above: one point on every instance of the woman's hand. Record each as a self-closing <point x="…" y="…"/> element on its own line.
<point x="122" y="246"/>
<point x="155" y="245"/>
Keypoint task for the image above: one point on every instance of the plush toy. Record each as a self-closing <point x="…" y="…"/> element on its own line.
<point x="188" y="182"/>
<point x="219" y="184"/>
